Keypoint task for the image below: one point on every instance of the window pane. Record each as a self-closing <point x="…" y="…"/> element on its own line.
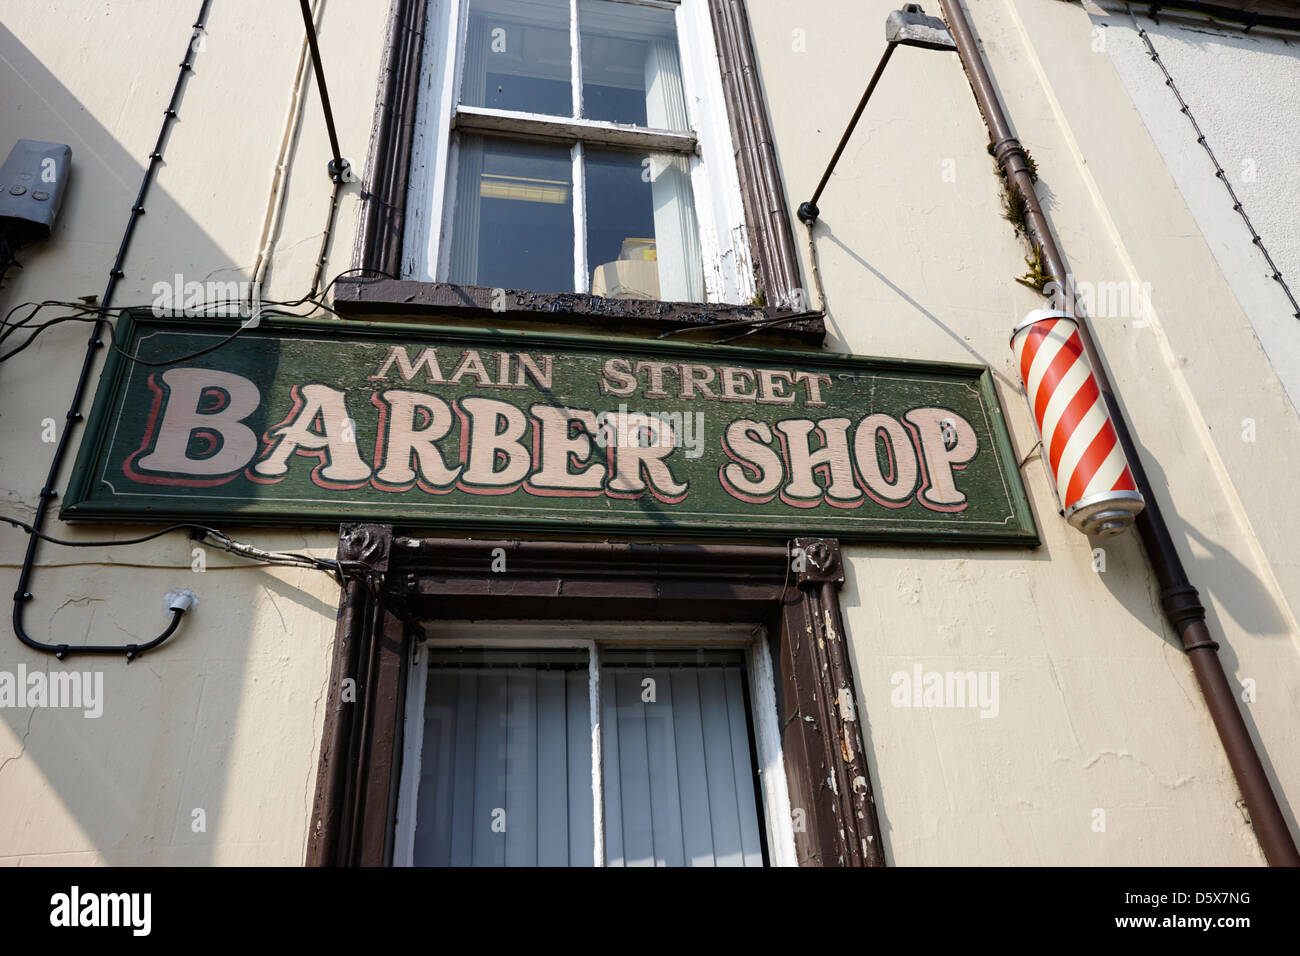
<point x="631" y="70"/>
<point x="505" y="777"/>
<point x="505" y="774"/>
<point x="642" y="238"/>
<point x="517" y="56"/>
<point x="513" y="222"/>
<point x="679" y="778"/>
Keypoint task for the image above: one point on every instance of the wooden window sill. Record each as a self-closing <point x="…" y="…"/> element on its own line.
<point x="361" y="296"/>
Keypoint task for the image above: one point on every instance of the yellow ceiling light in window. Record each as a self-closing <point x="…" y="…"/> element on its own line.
<point x="524" y="189"/>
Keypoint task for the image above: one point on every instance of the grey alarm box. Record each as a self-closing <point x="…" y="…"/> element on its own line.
<point x="33" y="182"/>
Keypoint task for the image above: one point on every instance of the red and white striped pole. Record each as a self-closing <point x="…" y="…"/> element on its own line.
<point x="1093" y="482"/>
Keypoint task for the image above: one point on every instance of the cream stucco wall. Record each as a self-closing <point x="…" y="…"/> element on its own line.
<point x="227" y="717"/>
<point x="1098" y="709"/>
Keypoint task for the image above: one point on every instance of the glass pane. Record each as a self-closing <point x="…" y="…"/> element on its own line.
<point x="642" y="238"/>
<point x="679" y="775"/>
<point x="631" y="70"/>
<point x="505" y="774"/>
<point x="513" y="223"/>
<point x="517" y="56"/>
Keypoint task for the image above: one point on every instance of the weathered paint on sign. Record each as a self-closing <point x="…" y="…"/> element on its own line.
<point x="299" y="422"/>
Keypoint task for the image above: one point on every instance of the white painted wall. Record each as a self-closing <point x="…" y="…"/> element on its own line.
<point x="227" y="717"/>
<point x="1098" y="709"/>
<point x="1244" y="91"/>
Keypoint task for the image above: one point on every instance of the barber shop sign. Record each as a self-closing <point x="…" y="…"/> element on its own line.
<point x="304" y="422"/>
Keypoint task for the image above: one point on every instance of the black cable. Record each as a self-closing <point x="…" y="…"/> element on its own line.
<point x="184" y="358"/>
<point x="12" y="327"/>
<point x="339" y="172"/>
<point x="770" y="323"/>
<point x="223" y="541"/>
<point x="1274" y="272"/>
<point x="7" y="258"/>
<point x="23" y="593"/>
<point x="338" y="569"/>
<point x="346" y="272"/>
<point x="30" y="529"/>
<point x="88" y="308"/>
<point x="95" y="314"/>
<point x="750" y="325"/>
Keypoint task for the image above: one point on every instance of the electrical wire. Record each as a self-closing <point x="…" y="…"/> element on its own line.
<point x="1274" y="272"/>
<point x="7" y="259"/>
<point x="819" y="312"/>
<point x="95" y="314"/>
<point x="23" y="592"/>
<point x="206" y="535"/>
<point x="99" y="314"/>
<point x="753" y="325"/>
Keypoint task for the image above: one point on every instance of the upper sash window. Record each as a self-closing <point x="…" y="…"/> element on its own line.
<point x="576" y="146"/>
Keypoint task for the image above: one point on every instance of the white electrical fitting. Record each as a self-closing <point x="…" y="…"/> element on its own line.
<point x="182" y="600"/>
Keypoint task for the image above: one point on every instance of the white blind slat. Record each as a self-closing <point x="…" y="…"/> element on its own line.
<point x="489" y="769"/>
<point x="433" y="819"/>
<point x="462" y="811"/>
<point x="661" y="750"/>
<point x="719" y="770"/>
<point x="638" y="835"/>
<point x="552" y="770"/>
<point x="521" y="768"/>
<point x="692" y="781"/>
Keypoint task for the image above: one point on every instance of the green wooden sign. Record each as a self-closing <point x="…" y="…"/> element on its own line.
<point x="304" y="422"/>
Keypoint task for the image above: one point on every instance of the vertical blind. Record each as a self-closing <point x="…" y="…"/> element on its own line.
<point x="677" y="236"/>
<point x="506" y="772"/>
<point x="679" y="782"/>
<point x="505" y="778"/>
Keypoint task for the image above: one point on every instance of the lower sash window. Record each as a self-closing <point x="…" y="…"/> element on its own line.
<point x="610" y="745"/>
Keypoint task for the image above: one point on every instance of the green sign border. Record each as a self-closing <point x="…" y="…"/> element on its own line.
<point x="81" y="505"/>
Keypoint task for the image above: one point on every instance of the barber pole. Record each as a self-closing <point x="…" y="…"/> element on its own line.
<point x="1080" y="446"/>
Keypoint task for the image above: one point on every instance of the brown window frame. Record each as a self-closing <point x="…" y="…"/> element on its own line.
<point x="378" y="247"/>
<point x="396" y="581"/>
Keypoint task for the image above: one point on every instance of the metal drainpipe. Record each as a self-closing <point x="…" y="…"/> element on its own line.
<point x="1181" y="602"/>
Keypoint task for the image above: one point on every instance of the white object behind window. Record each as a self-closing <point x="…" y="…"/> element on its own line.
<point x="698" y="216"/>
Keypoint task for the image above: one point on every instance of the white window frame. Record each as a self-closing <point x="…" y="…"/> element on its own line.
<point x="724" y="241"/>
<point x="537" y="635"/>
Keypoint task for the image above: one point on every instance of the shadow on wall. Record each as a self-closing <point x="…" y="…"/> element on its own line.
<point x="824" y="231"/>
<point x="131" y="778"/>
<point x="1233" y="587"/>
